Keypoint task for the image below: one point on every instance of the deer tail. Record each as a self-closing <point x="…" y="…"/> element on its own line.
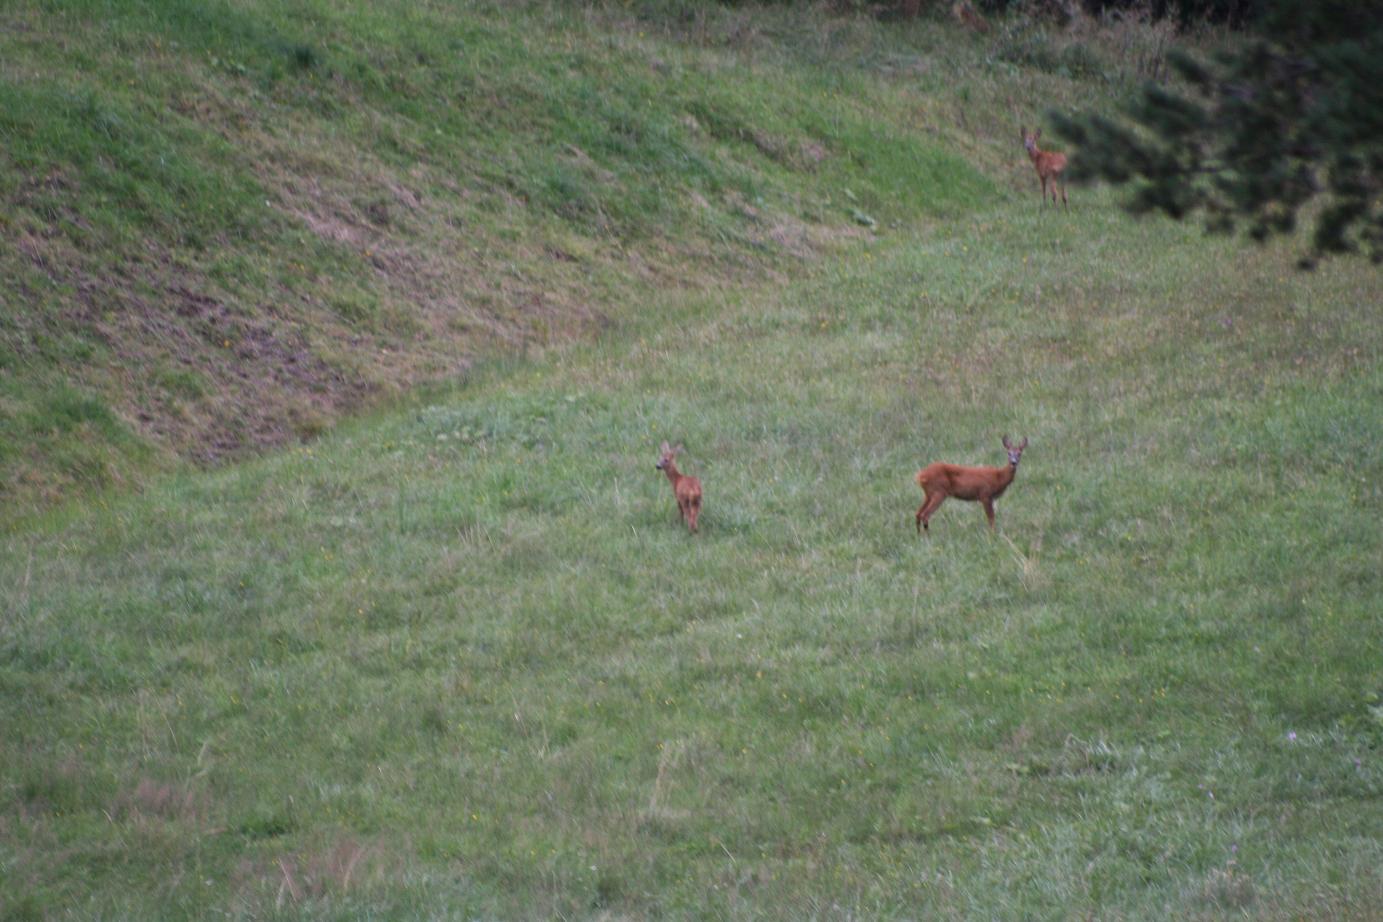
<point x="921" y="478"/>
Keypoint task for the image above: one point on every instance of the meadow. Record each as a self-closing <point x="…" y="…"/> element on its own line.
<point x="458" y="657"/>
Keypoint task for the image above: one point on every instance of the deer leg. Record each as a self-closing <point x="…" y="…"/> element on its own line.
<point x="924" y="515"/>
<point x="694" y="509"/>
<point x="1044" y="187"/>
<point x="1064" y="204"/>
<point x="989" y="511"/>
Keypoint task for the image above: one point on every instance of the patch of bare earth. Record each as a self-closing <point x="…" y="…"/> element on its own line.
<point x="197" y="375"/>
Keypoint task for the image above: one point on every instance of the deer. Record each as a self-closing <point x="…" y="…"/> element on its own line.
<point x="686" y="489"/>
<point x="975" y="484"/>
<point x="1049" y="165"/>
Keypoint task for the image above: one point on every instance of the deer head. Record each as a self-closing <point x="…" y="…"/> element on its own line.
<point x="667" y="455"/>
<point x="1030" y="140"/>
<point x="1015" y="451"/>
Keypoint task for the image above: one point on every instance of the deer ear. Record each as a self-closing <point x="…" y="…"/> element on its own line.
<point x="678" y="449"/>
<point x="1036" y="135"/>
<point x="663" y="448"/>
<point x="1005" y="441"/>
<point x="1025" y="443"/>
<point x="1023" y="129"/>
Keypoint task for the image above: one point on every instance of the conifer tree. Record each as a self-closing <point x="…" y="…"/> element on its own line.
<point x="1286" y="126"/>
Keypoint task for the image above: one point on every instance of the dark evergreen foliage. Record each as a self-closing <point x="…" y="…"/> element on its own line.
<point x="1289" y="124"/>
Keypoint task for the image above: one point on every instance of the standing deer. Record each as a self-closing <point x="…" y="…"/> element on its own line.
<point x="686" y="489"/>
<point x="1049" y="165"/>
<point x="977" y="484"/>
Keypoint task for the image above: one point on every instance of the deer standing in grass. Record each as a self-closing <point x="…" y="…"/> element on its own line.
<point x="686" y="489"/>
<point x="977" y="484"/>
<point x="1049" y="164"/>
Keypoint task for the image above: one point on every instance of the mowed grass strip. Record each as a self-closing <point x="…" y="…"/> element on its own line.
<point x="465" y="660"/>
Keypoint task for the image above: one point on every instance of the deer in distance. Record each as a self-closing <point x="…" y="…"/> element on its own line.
<point x="976" y="484"/>
<point x="686" y="489"/>
<point x="1049" y="164"/>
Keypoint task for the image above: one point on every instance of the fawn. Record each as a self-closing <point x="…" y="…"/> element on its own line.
<point x="686" y="489"/>
<point x="977" y="484"/>
<point x="1049" y="165"/>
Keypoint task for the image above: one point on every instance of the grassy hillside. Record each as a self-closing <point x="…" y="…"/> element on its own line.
<point x="225" y="224"/>
<point x="464" y="661"/>
<point x="460" y="660"/>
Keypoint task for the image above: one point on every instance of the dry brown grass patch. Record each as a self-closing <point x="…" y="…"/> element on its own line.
<point x="347" y="867"/>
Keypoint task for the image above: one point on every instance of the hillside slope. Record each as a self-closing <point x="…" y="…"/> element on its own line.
<point x="223" y="225"/>
<point x="464" y="661"/>
<point x="459" y="659"/>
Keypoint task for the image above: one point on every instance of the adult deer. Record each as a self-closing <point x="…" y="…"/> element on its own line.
<point x="976" y="484"/>
<point x="1049" y="164"/>
<point x="686" y="489"/>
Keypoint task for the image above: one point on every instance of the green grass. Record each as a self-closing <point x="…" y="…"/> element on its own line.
<point x="459" y="659"/>
<point x="462" y="660"/>
<point x="327" y="203"/>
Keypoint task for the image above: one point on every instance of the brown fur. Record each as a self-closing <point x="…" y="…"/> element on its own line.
<point x="1049" y="165"/>
<point x="976" y="484"/>
<point x="686" y="489"/>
